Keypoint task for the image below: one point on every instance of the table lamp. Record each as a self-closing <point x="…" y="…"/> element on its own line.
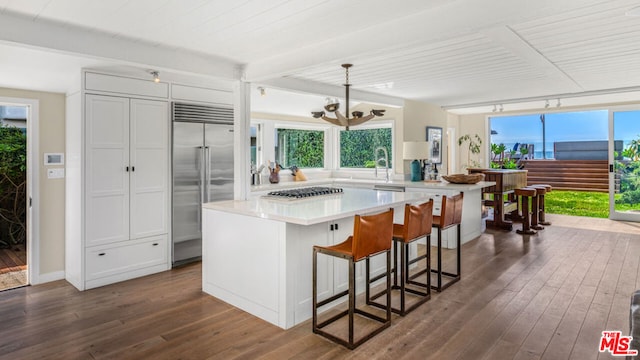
<point x="416" y="151"/>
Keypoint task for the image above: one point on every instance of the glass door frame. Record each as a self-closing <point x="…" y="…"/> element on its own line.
<point x="613" y="214"/>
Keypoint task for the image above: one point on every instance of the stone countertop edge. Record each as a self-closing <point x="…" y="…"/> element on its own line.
<point x="339" y="181"/>
<point x="314" y="210"/>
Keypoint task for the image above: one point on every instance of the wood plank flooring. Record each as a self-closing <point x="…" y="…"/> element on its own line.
<point x="13" y="259"/>
<point x="547" y="296"/>
<point x="13" y="267"/>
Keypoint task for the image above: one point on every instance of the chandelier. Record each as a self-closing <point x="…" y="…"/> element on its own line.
<point x="332" y="105"/>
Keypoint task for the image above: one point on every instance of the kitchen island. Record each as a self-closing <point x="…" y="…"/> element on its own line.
<point x="257" y="253"/>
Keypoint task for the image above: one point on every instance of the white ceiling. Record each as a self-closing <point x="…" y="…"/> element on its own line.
<point x="447" y="52"/>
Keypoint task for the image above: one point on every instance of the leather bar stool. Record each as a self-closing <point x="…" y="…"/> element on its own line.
<point x="417" y="225"/>
<point x="541" y="204"/>
<point x="450" y="216"/>
<point x="535" y="206"/>
<point x="371" y="236"/>
<point x="525" y="194"/>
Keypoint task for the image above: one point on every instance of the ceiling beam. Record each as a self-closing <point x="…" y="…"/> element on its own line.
<point x="68" y="39"/>
<point x="512" y="41"/>
<point x="311" y="87"/>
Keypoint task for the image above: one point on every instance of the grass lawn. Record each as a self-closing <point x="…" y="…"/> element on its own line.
<point x="581" y="203"/>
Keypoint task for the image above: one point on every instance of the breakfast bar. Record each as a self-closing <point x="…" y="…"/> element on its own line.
<point x="257" y="252"/>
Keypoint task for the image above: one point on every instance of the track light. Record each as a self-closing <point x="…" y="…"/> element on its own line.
<point x="494" y="108"/>
<point x="156" y="76"/>
<point x="262" y="91"/>
<point x="558" y="104"/>
<point x="501" y="108"/>
<point x="546" y="104"/>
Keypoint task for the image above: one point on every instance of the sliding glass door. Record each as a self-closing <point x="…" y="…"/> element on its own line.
<point x="624" y="164"/>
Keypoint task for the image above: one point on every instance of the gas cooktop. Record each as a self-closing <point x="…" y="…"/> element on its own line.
<point x="301" y="193"/>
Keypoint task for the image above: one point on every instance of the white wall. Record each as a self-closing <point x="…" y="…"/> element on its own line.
<point x="417" y="116"/>
<point x="472" y="125"/>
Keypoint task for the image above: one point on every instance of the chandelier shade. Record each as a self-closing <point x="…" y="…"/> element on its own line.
<point x="333" y="104"/>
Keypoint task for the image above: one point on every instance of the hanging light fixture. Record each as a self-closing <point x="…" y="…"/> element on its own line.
<point x="332" y="105"/>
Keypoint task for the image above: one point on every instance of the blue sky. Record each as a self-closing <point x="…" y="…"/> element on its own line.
<point x="569" y="126"/>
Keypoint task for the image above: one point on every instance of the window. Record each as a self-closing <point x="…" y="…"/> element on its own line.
<point x="544" y="132"/>
<point x="357" y="147"/>
<point x="301" y="148"/>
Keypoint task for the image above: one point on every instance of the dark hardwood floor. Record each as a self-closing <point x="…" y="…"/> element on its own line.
<point x="547" y="296"/>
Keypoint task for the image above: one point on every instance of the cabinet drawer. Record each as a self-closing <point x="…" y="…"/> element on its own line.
<point x="107" y="260"/>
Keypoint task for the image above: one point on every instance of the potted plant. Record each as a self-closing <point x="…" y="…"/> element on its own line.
<point x="473" y="148"/>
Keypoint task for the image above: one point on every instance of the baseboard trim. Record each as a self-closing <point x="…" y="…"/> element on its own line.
<point x="48" y="277"/>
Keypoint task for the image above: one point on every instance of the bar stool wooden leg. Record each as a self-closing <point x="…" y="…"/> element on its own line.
<point x="535" y="212"/>
<point x="541" y="205"/>
<point x="526" y="228"/>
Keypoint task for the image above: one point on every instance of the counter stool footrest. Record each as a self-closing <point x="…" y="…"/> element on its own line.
<point x="453" y="278"/>
<point x="332" y="298"/>
<point x="332" y="319"/>
<point x="381" y="276"/>
<point x="421" y="272"/>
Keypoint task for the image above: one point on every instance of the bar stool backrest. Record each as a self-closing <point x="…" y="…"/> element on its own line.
<point x="417" y="220"/>
<point x="451" y="211"/>
<point x="372" y="234"/>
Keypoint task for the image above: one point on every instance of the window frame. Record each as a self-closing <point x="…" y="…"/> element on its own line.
<point x="378" y="124"/>
<point x="326" y="162"/>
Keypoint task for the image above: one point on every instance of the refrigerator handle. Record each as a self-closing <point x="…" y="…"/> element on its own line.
<point x="201" y="172"/>
<point x="207" y="177"/>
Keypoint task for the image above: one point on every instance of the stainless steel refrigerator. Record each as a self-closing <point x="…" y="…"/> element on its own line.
<point x="202" y="172"/>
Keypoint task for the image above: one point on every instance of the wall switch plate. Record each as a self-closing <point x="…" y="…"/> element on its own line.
<point x="57" y="173"/>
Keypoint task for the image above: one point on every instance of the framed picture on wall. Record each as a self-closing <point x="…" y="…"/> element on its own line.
<point x="434" y="137"/>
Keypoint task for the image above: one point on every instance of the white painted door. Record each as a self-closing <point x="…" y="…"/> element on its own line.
<point x="624" y="164"/>
<point x="148" y="159"/>
<point x="107" y="175"/>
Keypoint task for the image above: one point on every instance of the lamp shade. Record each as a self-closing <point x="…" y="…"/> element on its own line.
<point x="415" y="150"/>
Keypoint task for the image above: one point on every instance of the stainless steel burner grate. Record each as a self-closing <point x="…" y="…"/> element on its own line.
<point x="305" y="192"/>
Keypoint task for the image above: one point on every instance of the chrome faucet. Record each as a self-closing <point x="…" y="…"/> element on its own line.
<point x="384" y="158"/>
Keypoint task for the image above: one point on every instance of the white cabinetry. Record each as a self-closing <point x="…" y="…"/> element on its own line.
<point x="471" y="226"/>
<point x="125" y="176"/>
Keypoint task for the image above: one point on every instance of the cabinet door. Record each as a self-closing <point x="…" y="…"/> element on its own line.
<point x="106" y="176"/>
<point x="301" y="239"/>
<point x="341" y="266"/>
<point x="149" y="123"/>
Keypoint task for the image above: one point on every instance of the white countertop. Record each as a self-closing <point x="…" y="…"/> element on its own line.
<point x="442" y="185"/>
<point x="319" y="209"/>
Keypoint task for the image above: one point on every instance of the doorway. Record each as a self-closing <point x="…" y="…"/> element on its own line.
<point x="18" y="143"/>
<point x="624" y="164"/>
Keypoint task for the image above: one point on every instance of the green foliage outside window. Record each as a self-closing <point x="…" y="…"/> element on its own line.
<point x="628" y="172"/>
<point x="302" y="148"/>
<point x="357" y="147"/>
<point x="13" y="186"/>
